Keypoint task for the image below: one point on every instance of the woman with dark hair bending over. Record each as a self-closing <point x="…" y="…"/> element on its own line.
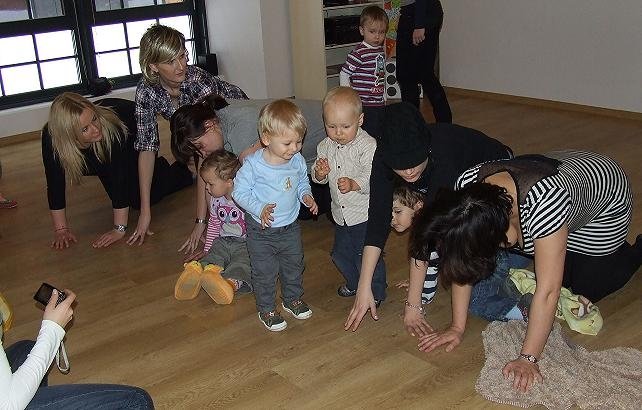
<point x="83" y="138"/>
<point x="569" y="209"/>
<point x="214" y="123"/>
<point x="426" y="157"/>
<point x="168" y="83"/>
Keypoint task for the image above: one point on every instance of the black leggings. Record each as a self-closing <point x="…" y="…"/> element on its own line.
<point x="598" y="276"/>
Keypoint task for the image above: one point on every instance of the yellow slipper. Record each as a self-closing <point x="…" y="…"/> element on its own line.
<point x="219" y="288"/>
<point x="189" y="283"/>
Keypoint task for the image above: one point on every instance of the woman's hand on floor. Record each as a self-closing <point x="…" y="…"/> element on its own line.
<point x="450" y="337"/>
<point x="108" y="238"/>
<point x="415" y="322"/>
<point x="523" y="373"/>
<point x="363" y="301"/>
<point x="191" y="243"/>
<point x="198" y="254"/>
<point x="142" y="230"/>
<point x="63" y="239"/>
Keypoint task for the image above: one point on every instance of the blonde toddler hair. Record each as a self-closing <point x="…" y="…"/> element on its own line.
<point x="343" y="95"/>
<point x="281" y="115"/>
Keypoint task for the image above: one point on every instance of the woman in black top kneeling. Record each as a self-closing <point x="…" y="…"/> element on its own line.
<point x="83" y="138"/>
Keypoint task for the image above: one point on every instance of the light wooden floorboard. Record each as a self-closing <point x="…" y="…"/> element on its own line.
<point x="129" y="329"/>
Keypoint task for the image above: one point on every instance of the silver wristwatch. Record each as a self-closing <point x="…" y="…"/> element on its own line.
<point x="528" y="357"/>
<point x="120" y="228"/>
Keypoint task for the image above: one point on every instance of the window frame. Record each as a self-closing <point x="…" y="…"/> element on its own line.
<point x="80" y="19"/>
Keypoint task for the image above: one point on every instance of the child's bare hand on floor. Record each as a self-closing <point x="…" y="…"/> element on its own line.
<point x="402" y="284"/>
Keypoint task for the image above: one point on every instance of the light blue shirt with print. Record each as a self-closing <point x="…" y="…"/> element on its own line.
<point x="258" y="183"/>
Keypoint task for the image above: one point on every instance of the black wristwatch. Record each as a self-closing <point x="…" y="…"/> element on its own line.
<point x="528" y="357"/>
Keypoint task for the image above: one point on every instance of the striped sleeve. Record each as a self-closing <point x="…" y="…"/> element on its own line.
<point x="430" y="281"/>
<point x="551" y="206"/>
<point x="352" y="62"/>
<point x="469" y="176"/>
<point x="213" y="225"/>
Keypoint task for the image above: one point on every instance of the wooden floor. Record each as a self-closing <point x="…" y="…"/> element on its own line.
<point x="128" y="328"/>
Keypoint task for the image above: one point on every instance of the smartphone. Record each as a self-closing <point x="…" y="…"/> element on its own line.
<point x="44" y="294"/>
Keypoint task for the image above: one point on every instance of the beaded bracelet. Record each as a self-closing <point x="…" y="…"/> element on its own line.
<point x="62" y="228"/>
<point x="419" y="308"/>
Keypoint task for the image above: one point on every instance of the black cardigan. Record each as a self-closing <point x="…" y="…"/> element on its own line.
<point x="454" y="149"/>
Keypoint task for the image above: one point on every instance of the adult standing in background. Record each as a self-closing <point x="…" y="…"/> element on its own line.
<point x="167" y="84"/>
<point x="417" y="45"/>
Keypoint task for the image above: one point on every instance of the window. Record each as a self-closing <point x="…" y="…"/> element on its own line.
<point x="51" y="46"/>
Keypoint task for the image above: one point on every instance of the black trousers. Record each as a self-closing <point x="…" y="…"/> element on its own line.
<point x="373" y="118"/>
<point x="416" y="65"/>
<point x="598" y="276"/>
<point x="166" y="180"/>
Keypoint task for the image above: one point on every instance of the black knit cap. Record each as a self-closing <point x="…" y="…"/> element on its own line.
<point x="405" y="138"/>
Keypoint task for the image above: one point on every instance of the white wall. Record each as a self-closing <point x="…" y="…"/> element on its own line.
<point x="579" y="51"/>
<point x="277" y="49"/>
<point x="251" y="39"/>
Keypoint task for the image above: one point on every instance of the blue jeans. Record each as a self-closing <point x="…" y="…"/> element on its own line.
<point x="485" y="300"/>
<point x="346" y="254"/>
<point x="78" y="396"/>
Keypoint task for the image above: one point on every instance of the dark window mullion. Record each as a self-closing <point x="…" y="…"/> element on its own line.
<point x="35" y="50"/>
<point x="129" y="59"/>
<point x="29" y="11"/>
<point x="2" y="83"/>
<point x="26" y="27"/>
<point x="84" y="13"/>
<point x="142" y="13"/>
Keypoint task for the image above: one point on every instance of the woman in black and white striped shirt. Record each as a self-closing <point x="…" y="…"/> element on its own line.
<point x="569" y="209"/>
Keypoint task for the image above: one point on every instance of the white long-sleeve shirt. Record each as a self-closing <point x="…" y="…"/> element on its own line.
<point x="17" y="389"/>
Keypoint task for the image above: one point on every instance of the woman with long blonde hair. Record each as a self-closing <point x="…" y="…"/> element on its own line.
<point x="82" y="138"/>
